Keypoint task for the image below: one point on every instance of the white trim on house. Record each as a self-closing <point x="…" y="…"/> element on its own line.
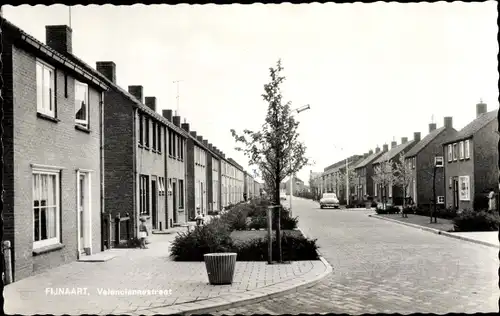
<point x="46" y="167"/>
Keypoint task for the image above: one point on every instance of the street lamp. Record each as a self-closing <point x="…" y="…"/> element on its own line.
<point x="298" y="110"/>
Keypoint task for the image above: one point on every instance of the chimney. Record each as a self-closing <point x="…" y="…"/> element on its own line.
<point x="185" y="126"/>
<point x="371" y="151"/>
<point x="205" y="142"/>
<point x="176" y="120"/>
<point x="448" y="122"/>
<point x="136" y="91"/>
<point x="168" y="115"/>
<point x="199" y="138"/>
<point x="211" y="147"/>
<point x="150" y="103"/>
<point x="107" y="69"/>
<point x="404" y="140"/>
<point x="59" y="37"/>
<point x="481" y="108"/>
<point x="386" y="148"/>
<point x="416" y="137"/>
<point x="432" y="127"/>
<point x="393" y="144"/>
<point x="377" y="150"/>
<point x="193" y="134"/>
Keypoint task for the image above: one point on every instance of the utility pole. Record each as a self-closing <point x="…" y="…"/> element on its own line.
<point x="177" y="96"/>
<point x="347" y="181"/>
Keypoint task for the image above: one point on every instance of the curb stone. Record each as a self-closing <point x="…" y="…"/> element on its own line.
<point x="220" y="303"/>
<point x="436" y="231"/>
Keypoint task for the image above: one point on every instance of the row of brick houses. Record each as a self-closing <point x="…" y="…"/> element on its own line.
<point x="462" y="164"/>
<point x="83" y="152"/>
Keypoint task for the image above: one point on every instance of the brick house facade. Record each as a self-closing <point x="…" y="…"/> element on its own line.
<point x="364" y="174"/>
<point x="393" y="193"/>
<point x="52" y="138"/>
<point x="421" y="160"/>
<point x="470" y="159"/>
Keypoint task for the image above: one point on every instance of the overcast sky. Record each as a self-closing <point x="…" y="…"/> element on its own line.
<point x="370" y="72"/>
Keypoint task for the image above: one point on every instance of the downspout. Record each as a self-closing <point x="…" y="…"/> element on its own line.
<point x="101" y="159"/>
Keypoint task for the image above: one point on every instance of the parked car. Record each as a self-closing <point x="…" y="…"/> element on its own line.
<point x="329" y="200"/>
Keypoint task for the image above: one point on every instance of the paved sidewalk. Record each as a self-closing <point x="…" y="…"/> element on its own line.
<point x="184" y="284"/>
<point x="443" y="226"/>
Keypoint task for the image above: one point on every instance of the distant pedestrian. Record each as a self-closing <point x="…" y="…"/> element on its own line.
<point x="143" y="233"/>
<point x="492" y="205"/>
<point x="199" y="218"/>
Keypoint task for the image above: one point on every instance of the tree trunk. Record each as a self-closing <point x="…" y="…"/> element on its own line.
<point x="404" y="202"/>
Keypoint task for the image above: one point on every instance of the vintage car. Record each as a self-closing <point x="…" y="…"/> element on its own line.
<point x="329" y="200"/>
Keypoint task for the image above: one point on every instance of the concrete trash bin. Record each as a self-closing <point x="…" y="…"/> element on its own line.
<point x="220" y="267"/>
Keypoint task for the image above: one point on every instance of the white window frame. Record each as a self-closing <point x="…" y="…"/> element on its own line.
<point x="42" y="108"/>
<point x="455" y="151"/>
<point x="438" y="161"/>
<point x="467" y="149"/>
<point x="450" y="152"/>
<point x="461" y="150"/>
<point x="57" y="173"/>
<point x="440" y="199"/>
<point x="464" y="195"/>
<point x="85" y="122"/>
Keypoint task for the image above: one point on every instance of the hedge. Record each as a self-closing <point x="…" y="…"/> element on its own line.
<point x="472" y="221"/>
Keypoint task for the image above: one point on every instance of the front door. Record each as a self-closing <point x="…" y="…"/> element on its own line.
<point x="455" y="193"/>
<point x="154" y="203"/>
<point x="174" y="201"/>
<point x="84" y="235"/>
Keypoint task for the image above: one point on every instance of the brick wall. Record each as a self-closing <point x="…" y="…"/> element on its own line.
<point x="425" y="166"/>
<point x="190" y="196"/>
<point x="45" y="142"/>
<point x="176" y="170"/>
<point x="210" y="189"/>
<point x="456" y="169"/>
<point x="119" y="140"/>
<point x="8" y="150"/>
<point x="486" y="158"/>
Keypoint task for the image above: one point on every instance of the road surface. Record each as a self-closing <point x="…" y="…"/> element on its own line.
<point x="385" y="267"/>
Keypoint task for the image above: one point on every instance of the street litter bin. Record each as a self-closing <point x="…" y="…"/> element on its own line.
<point x="220" y="267"/>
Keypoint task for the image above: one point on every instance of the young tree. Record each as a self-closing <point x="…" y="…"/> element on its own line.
<point x="275" y="150"/>
<point x="383" y="176"/>
<point x="403" y="177"/>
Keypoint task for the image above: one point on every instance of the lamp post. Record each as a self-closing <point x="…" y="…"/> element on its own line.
<point x="298" y="110"/>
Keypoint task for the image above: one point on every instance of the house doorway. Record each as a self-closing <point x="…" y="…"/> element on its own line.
<point x="455" y="193"/>
<point x="154" y="203"/>
<point x="174" y="201"/>
<point x="84" y="226"/>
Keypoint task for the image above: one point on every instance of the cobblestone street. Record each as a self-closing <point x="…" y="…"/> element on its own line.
<point x="384" y="267"/>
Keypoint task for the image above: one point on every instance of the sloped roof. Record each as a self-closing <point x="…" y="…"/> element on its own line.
<point x="474" y="126"/>
<point x="393" y="152"/>
<point x="369" y="159"/>
<point x="424" y="142"/>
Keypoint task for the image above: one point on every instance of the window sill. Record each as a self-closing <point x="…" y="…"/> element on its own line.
<point x="83" y="129"/>
<point x="47" y="249"/>
<point x="47" y="117"/>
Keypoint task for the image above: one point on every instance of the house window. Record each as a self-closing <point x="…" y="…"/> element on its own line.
<point x="146" y="134"/>
<point x="450" y="153"/>
<point x="45" y="89"/>
<point x="467" y="149"/>
<point x="170" y="141"/>
<point x="390" y="189"/>
<point x="440" y="200"/>
<point x="141" y="130"/>
<point x="174" y="145"/>
<point x="159" y="139"/>
<point x="455" y="153"/>
<point x="144" y="194"/>
<point x="179" y="144"/>
<point x="183" y="142"/>
<point x="46" y="208"/>
<point x="464" y="186"/>
<point x="461" y="150"/>
<point x="181" y="193"/>
<point x="82" y="104"/>
<point x="414" y="162"/>
<point x="153" y="125"/>
<point x="161" y="186"/>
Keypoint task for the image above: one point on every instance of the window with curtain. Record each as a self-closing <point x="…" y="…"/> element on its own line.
<point x="46" y="208"/>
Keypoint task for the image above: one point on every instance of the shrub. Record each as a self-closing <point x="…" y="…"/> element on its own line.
<point x="470" y="221"/>
<point x="293" y="248"/>
<point x="236" y="217"/>
<point x="287" y="222"/>
<point x="374" y="204"/>
<point x="381" y="211"/>
<point x="258" y="222"/>
<point x="446" y="213"/>
<point x="481" y="202"/>
<point x="191" y="246"/>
